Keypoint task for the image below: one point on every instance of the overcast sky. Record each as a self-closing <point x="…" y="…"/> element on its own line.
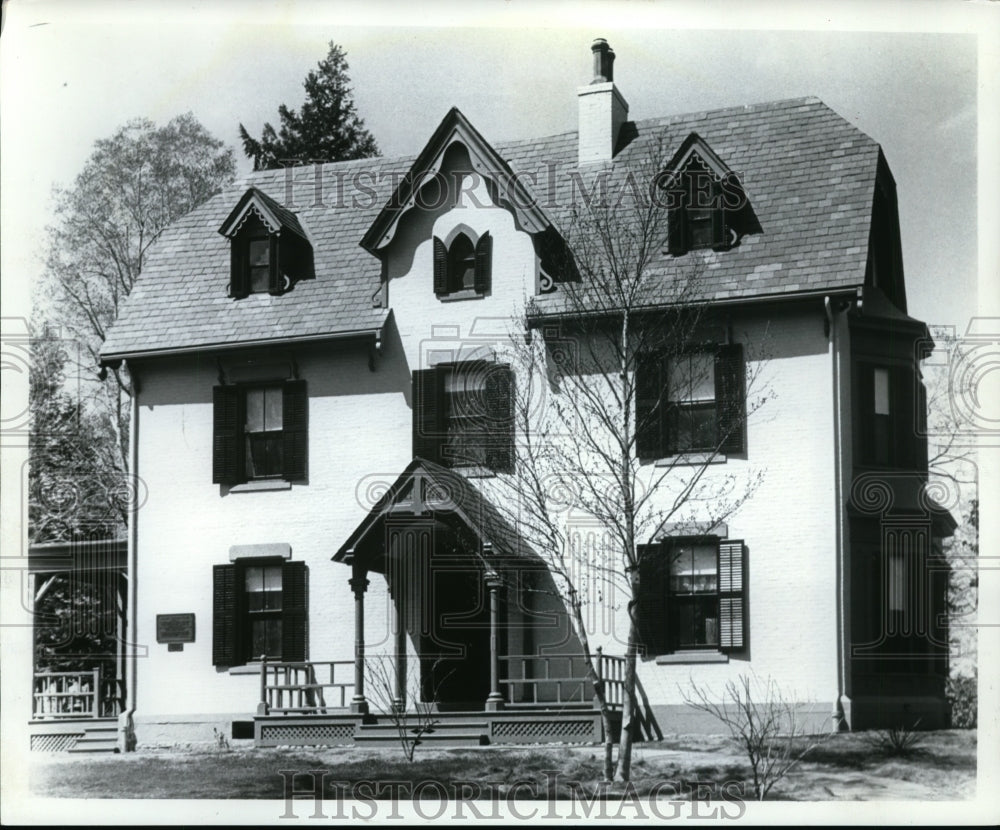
<point x="73" y="73"/>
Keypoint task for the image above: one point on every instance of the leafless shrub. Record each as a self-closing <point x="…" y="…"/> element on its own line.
<point x="762" y="720"/>
<point x="412" y="717"/>
<point x="897" y="741"/>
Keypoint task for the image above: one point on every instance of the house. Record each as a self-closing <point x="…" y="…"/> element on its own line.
<point x="304" y="350"/>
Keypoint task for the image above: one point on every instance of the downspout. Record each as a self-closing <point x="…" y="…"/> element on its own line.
<point x="126" y="725"/>
<point x="838" y="489"/>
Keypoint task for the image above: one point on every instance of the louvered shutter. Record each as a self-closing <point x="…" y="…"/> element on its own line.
<point x="440" y="267"/>
<point x="227" y="436"/>
<point x="654" y="633"/>
<point x="239" y="283"/>
<point x="720" y="220"/>
<point x="648" y="406"/>
<point x="428" y="414"/>
<point x="733" y="619"/>
<point x="919" y="455"/>
<point x="224" y="638"/>
<point x="276" y="279"/>
<point x="676" y="226"/>
<point x="484" y="263"/>
<point x="294" y="611"/>
<point x="730" y="395"/>
<point x="295" y="434"/>
<point x="500" y="419"/>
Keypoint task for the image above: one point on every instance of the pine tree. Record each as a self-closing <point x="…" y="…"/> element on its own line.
<point x="326" y="129"/>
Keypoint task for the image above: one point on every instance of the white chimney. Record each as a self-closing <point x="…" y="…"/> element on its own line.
<point x="603" y="110"/>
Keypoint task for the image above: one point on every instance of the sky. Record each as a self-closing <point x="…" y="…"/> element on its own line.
<point x="71" y="77"/>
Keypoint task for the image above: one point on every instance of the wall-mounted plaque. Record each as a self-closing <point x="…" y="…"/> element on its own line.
<point x="175" y="628"/>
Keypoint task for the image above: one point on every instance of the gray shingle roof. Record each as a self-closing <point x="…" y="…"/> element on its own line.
<point x="808" y="173"/>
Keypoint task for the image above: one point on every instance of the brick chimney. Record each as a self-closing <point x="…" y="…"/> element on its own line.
<point x="603" y="110"/>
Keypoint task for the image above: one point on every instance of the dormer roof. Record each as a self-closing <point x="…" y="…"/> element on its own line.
<point x="275" y="216"/>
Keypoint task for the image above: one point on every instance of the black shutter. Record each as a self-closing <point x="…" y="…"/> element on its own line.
<point x="648" y="406"/>
<point x="500" y="419"/>
<point x="239" y="284"/>
<point x="676" y="243"/>
<point x="428" y="414"/>
<point x="730" y="394"/>
<point x="440" y="267"/>
<point x="654" y="633"/>
<point x="294" y="611"/>
<point x="227" y="436"/>
<point x="733" y="619"/>
<point x="295" y="434"/>
<point x="276" y="279"/>
<point x="224" y="640"/>
<point x="720" y="221"/>
<point x="484" y="258"/>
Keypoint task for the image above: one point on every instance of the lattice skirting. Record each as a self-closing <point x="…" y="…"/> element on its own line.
<point x="54" y="743"/>
<point x="567" y="730"/>
<point x="307" y="734"/>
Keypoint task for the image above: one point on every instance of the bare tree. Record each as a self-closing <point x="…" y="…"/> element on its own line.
<point x="134" y="184"/>
<point x="619" y="301"/>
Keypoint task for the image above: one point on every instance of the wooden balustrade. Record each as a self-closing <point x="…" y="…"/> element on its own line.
<point x="287" y="688"/>
<point x="73" y="694"/>
<point x="544" y="680"/>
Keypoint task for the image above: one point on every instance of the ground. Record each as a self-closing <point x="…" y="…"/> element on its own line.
<point x="844" y="767"/>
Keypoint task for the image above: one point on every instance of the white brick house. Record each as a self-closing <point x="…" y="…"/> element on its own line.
<point x="296" y="350"/>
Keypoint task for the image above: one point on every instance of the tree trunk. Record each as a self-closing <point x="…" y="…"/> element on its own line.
<point x="628" y="696"/>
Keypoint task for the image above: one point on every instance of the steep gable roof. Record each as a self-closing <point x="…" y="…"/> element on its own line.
<point x="271" y="212"/>
<point x="808" y="173"/>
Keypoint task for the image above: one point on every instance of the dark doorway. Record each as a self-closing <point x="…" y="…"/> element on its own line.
<point x="455" y="652"/>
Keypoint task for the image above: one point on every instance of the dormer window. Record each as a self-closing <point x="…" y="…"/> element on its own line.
<point x="707" y="206"/>
<point x="258" y="264"/>
<point x="269" y="250"/>
<point x="462" y="268"/>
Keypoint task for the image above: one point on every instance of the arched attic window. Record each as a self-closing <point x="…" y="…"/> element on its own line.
<point x="463" y="267"/>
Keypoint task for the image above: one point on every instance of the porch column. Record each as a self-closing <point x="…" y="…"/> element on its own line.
<point x="399" y="701"/>
<point x="358" y="703"/>
<point x="495" y="700"/>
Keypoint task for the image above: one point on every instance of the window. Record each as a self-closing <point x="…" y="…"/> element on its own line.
<point x="463" y="266"/>
<point x="692" y="595"/>
<point x="697" y="210"/>
<point x="259" y="264"/>
<point x="259" y="432"/>
<point x="269" y="248"/>
<point x="463" y="415"/>
<point x="259" y="608"/>
<point x="690" y="401"/>
<point x="891" y="432"/>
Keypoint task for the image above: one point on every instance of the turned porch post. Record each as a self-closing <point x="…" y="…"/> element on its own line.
<point x="358" y="703"/>
<point x="495" y="700"/>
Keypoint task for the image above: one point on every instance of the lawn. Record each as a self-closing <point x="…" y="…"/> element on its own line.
<point x="844" y="767"/>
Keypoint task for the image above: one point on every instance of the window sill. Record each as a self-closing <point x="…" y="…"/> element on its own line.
<point x="258" y="486"/>
<point x="691" y="459"/>
<point x="467" y="294"/>
<point x="249" y="668"/>
<point x="692" y="657"/>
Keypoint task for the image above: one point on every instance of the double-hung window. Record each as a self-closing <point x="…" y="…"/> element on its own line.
<point x="463" y="415"/>
<point x="259" y="432"/>
<point x="693" y="595"/>
<point x="690" y="401"/>
<point x="260" y="609"/>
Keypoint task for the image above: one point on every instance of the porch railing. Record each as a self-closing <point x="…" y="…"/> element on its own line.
<point x="76" y="694"/>
<point x="301" y="687"/>
<point x="543" y="680"/>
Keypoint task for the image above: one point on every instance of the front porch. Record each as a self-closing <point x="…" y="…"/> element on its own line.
<point x="545" y="699"/>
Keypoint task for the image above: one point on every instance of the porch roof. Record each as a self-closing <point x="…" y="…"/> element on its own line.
<point x="430" y="490"/>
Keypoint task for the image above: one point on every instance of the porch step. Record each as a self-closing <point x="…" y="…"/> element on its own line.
<point x="97" y="739"/>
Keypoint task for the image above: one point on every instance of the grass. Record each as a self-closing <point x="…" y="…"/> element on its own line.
<point x="844" y="767"/>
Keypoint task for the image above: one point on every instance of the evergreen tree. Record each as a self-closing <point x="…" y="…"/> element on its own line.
<point x="326" y="129"/>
